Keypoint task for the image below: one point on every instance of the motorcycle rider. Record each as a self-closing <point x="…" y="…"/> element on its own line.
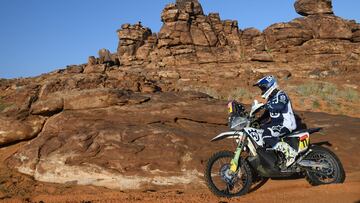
<point x="278" y="108"/>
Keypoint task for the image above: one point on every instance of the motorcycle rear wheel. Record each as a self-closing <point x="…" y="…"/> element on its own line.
<point x="333" y="174"/>
<point x="220" y="182"/>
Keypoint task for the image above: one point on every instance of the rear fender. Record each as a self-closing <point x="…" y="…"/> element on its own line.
<point x="314" y="130"/>
<point x="325" y="143"/>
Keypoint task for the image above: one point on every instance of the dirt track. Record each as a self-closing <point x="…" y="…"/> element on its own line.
<point x="272" y="191"/>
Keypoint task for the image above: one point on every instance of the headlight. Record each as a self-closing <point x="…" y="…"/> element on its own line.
<point x="238" y="123"/>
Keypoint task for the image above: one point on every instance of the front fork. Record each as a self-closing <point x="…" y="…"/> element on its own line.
<point x="234" y="164"/>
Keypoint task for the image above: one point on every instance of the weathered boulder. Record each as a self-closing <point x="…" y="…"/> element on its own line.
<point x="324" y="47"/>
<point x="174" y="33"/>
<point x="170" y="13"/>
<point x="215" y="21"/>
<point x="169" y="74"/>
<point x="248" y="35"/>
<point x="13" y="130"/>
<point x="85" y="99"/>
<point x="198" y="36"/>
<point x="94" y="98"/>
<point x="99" y="68"/>
<point x="47" y="107"/>
<point x="355" y="28"/>
<point x="74" y="69"/>
<point x="328" y="27"/>
<point x="192" y="7"/>
<point x="91" y="61"/>
<point x="262" y="57"/>
<point x="65" y="83"/>
<point x="210" y="35"/>
<point x="282" y="35"/>
<point x="312" y="7"/>
<point x="356" y="36"/>
<point x="19" y="98"/>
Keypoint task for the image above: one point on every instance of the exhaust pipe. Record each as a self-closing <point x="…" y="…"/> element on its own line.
<point x="313" y="164"/>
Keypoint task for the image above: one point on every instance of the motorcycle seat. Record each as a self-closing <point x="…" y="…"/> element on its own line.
<point x="309" y="130"/>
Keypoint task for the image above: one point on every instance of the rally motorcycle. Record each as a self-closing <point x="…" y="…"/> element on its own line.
<point x="230" y="174"/>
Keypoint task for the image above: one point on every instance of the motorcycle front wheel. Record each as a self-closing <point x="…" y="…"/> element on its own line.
<point x="333" y="173"/>
<point x="221" y="181"/>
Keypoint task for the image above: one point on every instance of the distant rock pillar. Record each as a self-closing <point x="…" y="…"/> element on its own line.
<point x="190" y="6"/>
<point x="131" y="38"/>
<point x="104" y="56"/>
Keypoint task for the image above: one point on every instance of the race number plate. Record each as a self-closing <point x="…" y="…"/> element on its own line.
<point x="304" y="142"/>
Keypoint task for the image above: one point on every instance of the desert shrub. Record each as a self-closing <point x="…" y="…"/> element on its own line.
<point x="349" y="95"/>
<point x="315" y="104"/>
<point x="328" y="92"/>
<point x="307" y="89"/>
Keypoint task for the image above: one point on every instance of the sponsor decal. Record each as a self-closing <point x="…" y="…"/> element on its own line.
<point x="283" y="98"/>
<point x="254" y="134"/>
<point x="304" y="142"/>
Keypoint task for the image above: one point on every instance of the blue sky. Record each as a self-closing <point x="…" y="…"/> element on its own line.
<point x="38" y="36"/>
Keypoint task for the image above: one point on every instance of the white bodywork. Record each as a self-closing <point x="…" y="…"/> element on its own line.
<point x="237" y="135"/>
<point x="230" y="135"/>
<point x="256" y="135"/>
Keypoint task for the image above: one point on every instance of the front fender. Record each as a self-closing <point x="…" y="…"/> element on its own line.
<point x="229" y="135"/>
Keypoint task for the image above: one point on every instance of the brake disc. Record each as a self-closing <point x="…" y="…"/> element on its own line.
<point x="226" y="175"/>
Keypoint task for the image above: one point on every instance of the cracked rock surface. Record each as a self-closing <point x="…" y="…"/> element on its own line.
<point x="136" y="139"/>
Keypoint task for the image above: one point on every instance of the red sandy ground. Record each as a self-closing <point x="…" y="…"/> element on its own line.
<point x="272" y="191"/>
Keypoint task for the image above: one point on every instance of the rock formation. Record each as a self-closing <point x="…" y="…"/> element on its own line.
<point x="111" y="119"/>
<point x="187" y="37"/>
<point x="103" y="133"/>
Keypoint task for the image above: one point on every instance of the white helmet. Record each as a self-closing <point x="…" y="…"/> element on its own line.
<point x="267" y="85"/>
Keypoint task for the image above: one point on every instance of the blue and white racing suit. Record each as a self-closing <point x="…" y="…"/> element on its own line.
<point x="282" y="118"/>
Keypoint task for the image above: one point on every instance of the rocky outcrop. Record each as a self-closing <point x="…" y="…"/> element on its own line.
<point x="106" y="144"/>
<point x="189" y="37"/>
<point x="49" y="106"/>
<point x="312" y="7"/>
<point x="186" y="37"/>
